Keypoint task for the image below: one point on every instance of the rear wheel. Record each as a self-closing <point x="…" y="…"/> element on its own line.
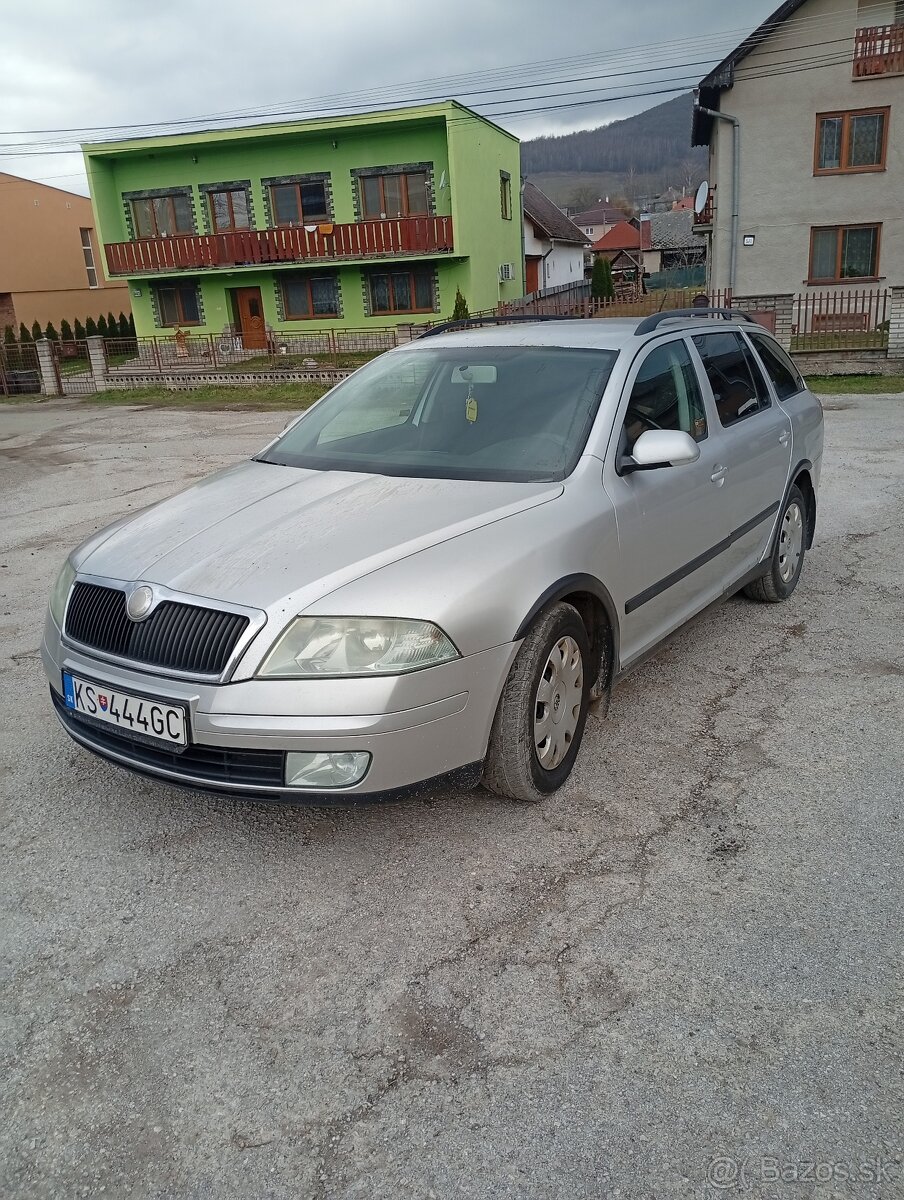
<point x="788" y="555"/>
<point x="543" y="708"/>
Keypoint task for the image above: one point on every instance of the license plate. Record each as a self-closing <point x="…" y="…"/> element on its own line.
<point x="135" y="715"/>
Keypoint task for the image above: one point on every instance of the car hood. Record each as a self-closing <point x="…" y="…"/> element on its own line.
<point x="258" y="534"/>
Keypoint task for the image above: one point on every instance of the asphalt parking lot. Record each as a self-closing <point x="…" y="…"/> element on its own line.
<point x="680" y="978"/>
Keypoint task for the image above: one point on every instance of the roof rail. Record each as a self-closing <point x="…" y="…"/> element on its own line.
<point x="648" y="324"/>
<point x="472" y="322"/>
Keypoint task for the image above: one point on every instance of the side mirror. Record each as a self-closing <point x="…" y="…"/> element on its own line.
<point x="662" y="448"/>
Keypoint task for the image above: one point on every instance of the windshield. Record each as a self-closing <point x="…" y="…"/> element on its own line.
<point x="518" y="413"/>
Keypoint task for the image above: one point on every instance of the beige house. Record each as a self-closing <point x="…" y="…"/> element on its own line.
<point x="50" y="267"/>
<point x="597" y="221"/>
<point x="805" y="127"/>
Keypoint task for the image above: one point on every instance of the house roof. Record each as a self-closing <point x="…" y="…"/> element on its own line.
<point x="600" y="214"/>
<point x="672" y="230"/>
<point x="550" y="220"/>
<point x="721" y="77"/>
<point x="625" y="236"/>
<point x="684" y="202"/>
<point x="448" y="111"/>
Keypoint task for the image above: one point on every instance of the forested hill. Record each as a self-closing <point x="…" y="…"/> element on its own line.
<point x="654" y="142"/>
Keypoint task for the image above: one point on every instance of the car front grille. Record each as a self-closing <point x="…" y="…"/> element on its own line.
<point x="195" y="763"/>
<point x="176" y="636"/>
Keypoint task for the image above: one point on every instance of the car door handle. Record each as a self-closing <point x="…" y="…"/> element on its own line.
<point x="784" y="437"/>
<point x="719" y="474"/>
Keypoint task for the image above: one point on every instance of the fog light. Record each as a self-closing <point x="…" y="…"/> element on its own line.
<point x="323" y="770"/>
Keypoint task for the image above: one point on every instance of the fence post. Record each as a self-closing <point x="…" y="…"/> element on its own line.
<point x="896" y="323"/>
<point x="97" y="361"/>
<point x="784" y="319"/>
<point x="50" y="380"/>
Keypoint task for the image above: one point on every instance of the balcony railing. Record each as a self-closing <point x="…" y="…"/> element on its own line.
<point x="252" y="247"/>
<point x="879" y="50"/>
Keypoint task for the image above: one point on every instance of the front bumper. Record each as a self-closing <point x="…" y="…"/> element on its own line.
<point x="418" y="727"/>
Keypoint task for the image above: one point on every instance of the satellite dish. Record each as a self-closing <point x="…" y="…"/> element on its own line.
<point x="701" y="198"/>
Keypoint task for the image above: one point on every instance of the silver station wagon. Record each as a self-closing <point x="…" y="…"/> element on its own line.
<point x="437" y="569"/>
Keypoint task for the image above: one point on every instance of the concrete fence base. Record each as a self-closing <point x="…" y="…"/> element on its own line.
<point x="177" y="382"/>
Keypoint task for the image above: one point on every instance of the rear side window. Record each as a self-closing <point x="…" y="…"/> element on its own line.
<point x="665" y="395"/>
<point x="781" y="370"/>
<point x="735" y="377"/>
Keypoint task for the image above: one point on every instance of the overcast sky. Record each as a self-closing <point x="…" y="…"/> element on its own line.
<point x="66" y="66"/>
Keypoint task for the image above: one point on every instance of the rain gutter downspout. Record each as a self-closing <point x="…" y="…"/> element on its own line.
<point x="735" y="186"/>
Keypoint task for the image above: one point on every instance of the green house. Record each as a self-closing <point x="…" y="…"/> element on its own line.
<point x="352" y="222"/>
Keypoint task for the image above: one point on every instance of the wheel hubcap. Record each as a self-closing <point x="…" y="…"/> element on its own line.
<point x="791" y="542"/>
<point x="557" y="708"/>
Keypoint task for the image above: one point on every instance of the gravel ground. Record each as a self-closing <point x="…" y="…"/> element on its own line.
<point x="680" y="978"/>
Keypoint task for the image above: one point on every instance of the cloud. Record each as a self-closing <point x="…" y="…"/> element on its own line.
<point x="94" y="66"/>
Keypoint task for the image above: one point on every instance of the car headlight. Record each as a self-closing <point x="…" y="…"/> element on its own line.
<point x="317" y="647"/>
<point x="60" y="593"/>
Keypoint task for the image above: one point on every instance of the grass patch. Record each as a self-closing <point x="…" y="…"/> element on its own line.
<point x="854" y="385"/>
<point x="73" y="366"/>
<point x="296" y="362"/>
<point x="260" y="397"/>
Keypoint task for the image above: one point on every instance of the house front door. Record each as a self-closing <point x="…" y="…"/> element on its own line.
<point x="532" y="274"/>
<point x="250" y="310"/>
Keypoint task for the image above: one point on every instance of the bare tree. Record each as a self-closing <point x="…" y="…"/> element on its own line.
<point x="692" y="172"/>
<point x="629" y="183"/>
<point x="583" y="198"/>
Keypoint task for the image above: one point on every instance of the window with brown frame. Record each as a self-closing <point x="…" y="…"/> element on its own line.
<point x="229" y="210"/>
<point x="402" y="195"/>
<point x="178" y="304"/>
<point x="847" y="142"/>
<point x="505" y="195"/>
<point x="401" y="291"/>
<point x="307" y="296"/>
<point x="300" y="202"/>
<point x="844" y="252"/>
<point x="163" y="216"/>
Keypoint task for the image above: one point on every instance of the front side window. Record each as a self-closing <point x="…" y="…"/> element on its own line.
<point x="163" y="216"/>
<point x="781" y="370"/>
<point x="229" y="210"/>
<point x="737" y="382"/>
<point x="308" y="296"/>
<point x="851" y="141"/>
<point x="178" y="304"/>
<point x="401" y="292"/>
<point x="302" y="202"/>
<point x="386" y="195"/>
<point x="506" y="413"/>
<point x="844" y="252"/>
<point x="666" y="395"/>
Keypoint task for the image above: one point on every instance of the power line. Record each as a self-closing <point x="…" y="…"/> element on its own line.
<point x="357" y="98"/>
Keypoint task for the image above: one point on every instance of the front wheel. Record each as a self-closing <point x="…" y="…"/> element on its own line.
<point x="787" y="560"/>
<point x="543" y="709"/>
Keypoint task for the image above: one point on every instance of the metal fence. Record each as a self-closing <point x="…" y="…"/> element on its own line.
<point x="328" y="349"/>
<point x="844" y="319"/>
<point x="73" y="368"/>
<point x="20" y="374"/>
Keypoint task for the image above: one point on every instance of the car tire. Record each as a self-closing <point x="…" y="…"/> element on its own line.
<point x="787" y="560"/>
<point x="532" y="749"/>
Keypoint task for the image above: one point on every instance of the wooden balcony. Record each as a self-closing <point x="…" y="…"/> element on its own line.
<point x="879" y="50"/>
<point x="287" y="244"/>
